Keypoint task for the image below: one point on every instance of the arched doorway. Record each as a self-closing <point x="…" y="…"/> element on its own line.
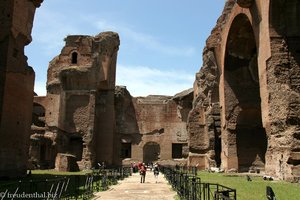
<point x="242" y="96"/>
<point x="151" y="152"/>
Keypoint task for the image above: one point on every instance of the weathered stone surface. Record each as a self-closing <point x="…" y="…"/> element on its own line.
<point x="245" y="3"/>
<point x="245" y="112"/>
<point x="79" y="106"/>
<point x="42" y="140"/>
<point x="16" y="86"/>
<point x="66" y="163"/>
<point x="247" y="91"/>
<point x="204" y="118"/>
<point x="153" y="126"/>
<point x="85" y="115"/>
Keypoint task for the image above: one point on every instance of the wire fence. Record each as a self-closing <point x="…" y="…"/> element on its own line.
<point x="190" y="187"/>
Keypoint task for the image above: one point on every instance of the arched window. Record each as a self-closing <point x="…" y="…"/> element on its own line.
<point x="74" y="57"/>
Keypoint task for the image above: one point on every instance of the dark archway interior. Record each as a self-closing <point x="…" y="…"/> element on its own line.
<point x="218" y="148"/>
<point x="242" y="95"/>
<point x="151" y="152"/>
<point x="76" y="146"/>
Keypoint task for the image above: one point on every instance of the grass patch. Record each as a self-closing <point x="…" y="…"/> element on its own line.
<point x="58" y="173"/>
<point x="255" y="189"/>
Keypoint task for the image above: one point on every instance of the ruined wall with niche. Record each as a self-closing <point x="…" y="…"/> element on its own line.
<point x="88" y="119"/>
<point x="42" y="150"/>
<point x="16" y="85"/>
<point x="204" y="127"/>
<point x="80" y="100"/>
<point x="254" y="48"/>
<point x="151" y="125"/>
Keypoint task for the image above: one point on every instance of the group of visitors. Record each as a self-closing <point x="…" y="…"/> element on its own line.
<point x="142" y="169"/>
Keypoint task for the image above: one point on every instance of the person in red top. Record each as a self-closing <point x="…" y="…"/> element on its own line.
<point x="139" y="165"/>
<point x="143" y="170"/>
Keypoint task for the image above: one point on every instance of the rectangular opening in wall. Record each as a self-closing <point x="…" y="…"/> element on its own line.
<point x="76" y="146"/>
<point x="176" y="150"/>
<point x="125" y="150"/>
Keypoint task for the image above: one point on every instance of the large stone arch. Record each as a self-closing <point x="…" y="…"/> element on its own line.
<point x="265" y="37"/>
<point x="151" y="152"/>
<point x="245" y="140"/>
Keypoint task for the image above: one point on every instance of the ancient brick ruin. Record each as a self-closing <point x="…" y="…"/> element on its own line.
<point x="152" y="128"/>
<point x="77" y="117"/>
<point x="16" y="84"/>
<point x="246" y="112"/>
<point x="243" y="113"/>
<point x="85" y="119"/>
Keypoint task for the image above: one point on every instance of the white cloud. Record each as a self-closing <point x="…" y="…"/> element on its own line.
<point x="144" y="40"/>
<point x="143" y="81"/>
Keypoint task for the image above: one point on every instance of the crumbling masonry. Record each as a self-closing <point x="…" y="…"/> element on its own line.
<point x="246" y="113"/>
<point x="79" y="119"/>
<point x="16" y="84"/>
<point x="85" y="120"/>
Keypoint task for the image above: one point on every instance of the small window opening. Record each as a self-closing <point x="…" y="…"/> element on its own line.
<point x="74" y="57"/>
<point x="176" y="150"/>
<point x="126" y="150"/>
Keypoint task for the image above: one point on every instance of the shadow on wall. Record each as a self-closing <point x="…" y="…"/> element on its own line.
<point x="285" y="41"/>
<point x="126" y="122"/>
<point x="127" y="130"/>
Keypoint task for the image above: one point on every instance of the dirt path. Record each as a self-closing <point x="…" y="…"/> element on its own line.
<point x="131" y="189"/>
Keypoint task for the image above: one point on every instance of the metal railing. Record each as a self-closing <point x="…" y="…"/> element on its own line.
<point x="189" y="187"/>
<point x="64" y="187"/>
<point x="55" y="188"/>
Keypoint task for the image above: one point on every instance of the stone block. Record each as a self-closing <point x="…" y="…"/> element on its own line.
<point x="66" y="163"/>
<point x="198" y="160"/>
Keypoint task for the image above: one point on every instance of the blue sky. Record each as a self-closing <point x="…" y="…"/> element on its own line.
<point x="161" y="40"/>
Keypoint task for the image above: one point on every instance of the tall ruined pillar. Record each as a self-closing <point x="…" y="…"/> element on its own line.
<point x="16" y="84"/>
<point x="105" y="100"/>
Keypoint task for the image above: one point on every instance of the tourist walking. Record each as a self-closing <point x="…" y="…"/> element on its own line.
<point x="156" y="172"/>
<point x="143" y="170"/>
